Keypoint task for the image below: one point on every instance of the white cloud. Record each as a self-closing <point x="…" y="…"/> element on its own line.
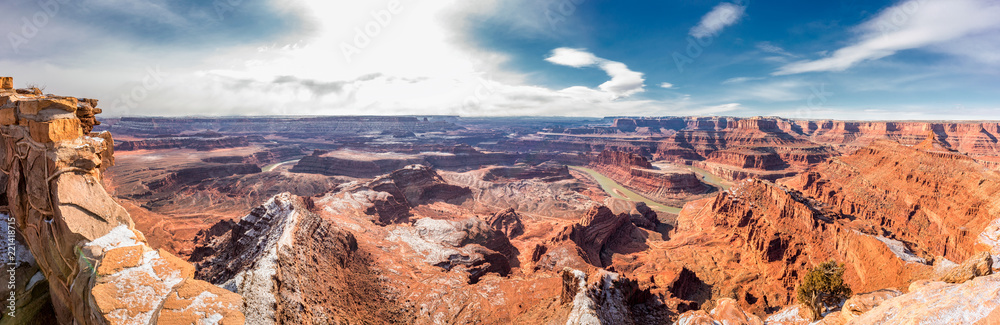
<point x="666" y="85"/>
<point x="909" y="25"/>
<point x="623" y="83"/>
<point x="576" y="58"/>
<point x="740" y="80"/>
<point x="771" y="48"/>
<point x="722" y="16"/>
<point x="420" y="62"/>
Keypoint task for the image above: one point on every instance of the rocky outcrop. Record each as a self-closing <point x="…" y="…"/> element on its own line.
<point x="644" y="216"/>
<point x="193" y="175"/>
<point x="196" y="143"/>
<point x="367" y="164"/>
<point x="595" y="230"/>
<point x="726" y="311"/>
<point x="607" y="298"/>
<point x="909" y="192"/>
<point x="421" y="184"/>
<point x="870" y="210"/>
<point x="976" y="266"/>
<point x="548" y="171"/>
<point x="637" y="173"/>
<point x="284" y="261"/>
<point x="468" y="245"/>
<point x="755" y="242"/>
<point x="337" y="164"/>
<point x="508" y="222"/>
<point x="859" y="304"/>
<point x="623" y="159"/>
<point x="591" y="241"/>
<point x="389" y="197"/>
<point x="973" y="302"/>
<point x="735" y="174"/>
<point x="98" y="268"/>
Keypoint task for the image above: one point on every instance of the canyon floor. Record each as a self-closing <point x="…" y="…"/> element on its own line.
<point x="448" y="220"/>
<point x="440" y="220"/>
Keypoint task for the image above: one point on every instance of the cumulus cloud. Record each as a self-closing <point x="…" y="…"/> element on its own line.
<point x="723" y="15"/>
<point x="576" y="58"/>
<point x="623" y="83"/>
<point x="202" y="63"/>
<point x="909" y="25"/>
<point x="666" y="85"/>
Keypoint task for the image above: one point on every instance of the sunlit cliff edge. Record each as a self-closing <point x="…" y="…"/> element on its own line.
<point x="97" y="268"/>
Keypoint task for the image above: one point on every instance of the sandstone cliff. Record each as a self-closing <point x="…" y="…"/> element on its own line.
<point x="98" y="268"/>
<point x="880" y="211"/>
<point x="938" y="202"/>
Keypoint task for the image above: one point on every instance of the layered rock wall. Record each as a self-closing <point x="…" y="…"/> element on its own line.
<point x="202" y="144"/>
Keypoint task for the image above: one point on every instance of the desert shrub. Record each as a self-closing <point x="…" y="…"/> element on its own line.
<point x="823" y="286"/>
<point x="36" y="86"/>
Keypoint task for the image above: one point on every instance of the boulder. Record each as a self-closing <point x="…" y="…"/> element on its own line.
<point x="726" y="311"/>
<point x="6" y="83"/>
<point x="979" y="265"/>
<point x="862" y="303"/>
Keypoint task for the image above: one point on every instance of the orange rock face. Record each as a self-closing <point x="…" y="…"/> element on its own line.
<point x="98" y="269"/>
<point x="873" y="213"/>
<point x="909" y="192"/>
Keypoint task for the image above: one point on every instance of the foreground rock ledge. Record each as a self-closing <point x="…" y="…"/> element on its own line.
<point x="99" y="269"/>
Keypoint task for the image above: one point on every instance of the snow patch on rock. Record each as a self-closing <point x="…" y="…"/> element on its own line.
<point x="939" y="303"/>
<point x="901" y="251"/>
<point x="584" y="310"/>
<point x="118" y="237"/>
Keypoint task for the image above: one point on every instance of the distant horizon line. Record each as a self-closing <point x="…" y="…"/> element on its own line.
<point x="545" y="117"/>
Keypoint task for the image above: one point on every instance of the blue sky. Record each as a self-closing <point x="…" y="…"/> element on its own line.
<point x="851" y="59"/>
